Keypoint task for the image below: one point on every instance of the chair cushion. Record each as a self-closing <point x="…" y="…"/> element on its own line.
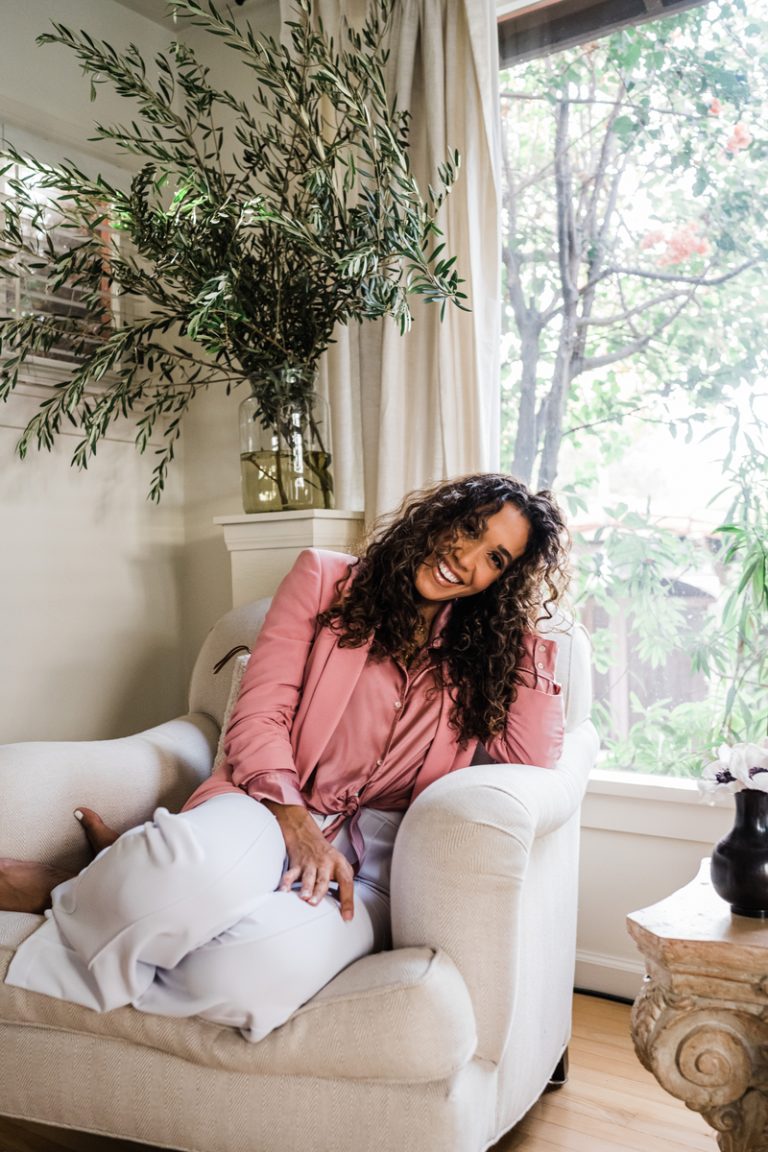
<point x="412" y="1001"/>
<point x="238" y="671"/>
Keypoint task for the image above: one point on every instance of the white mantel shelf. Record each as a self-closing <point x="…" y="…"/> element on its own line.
<point x="264" y="545"/>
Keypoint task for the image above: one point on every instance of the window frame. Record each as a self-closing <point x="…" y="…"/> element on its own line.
<point x="42" y="373"/>
<point x="527" y="30"/>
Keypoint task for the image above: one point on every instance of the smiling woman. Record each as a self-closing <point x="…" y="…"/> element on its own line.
<point x="467" y="524"/>
<point x="350" y="707"/>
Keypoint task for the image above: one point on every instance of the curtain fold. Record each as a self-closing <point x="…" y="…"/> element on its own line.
<point x="414" y="409"/>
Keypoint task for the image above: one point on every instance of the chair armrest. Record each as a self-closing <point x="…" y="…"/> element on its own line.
<point x="464" y="852"/>
<point x="124" y="780"/>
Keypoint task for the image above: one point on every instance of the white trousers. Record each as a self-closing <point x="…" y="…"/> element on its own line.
<point x="180" y="917"/>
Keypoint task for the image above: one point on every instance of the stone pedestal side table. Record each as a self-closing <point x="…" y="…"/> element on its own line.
<point x="700" y="1024"/>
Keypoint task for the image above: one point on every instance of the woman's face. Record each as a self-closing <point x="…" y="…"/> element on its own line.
<point x="472" y="563"/>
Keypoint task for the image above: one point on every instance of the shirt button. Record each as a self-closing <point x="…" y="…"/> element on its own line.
<point x="540" y="664"/>
<point x="398" y="703"/>
<point x="379" y="763"/>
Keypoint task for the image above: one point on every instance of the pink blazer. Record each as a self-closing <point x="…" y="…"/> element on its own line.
<point x="299" y="680"/>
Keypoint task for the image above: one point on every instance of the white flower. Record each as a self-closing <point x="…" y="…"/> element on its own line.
<point x="752" y="766"/>
<point x="759" y="779"/>
<point x="741" y="766"/>
<point x="737" y="759"/>
<point x="717" y="776"/>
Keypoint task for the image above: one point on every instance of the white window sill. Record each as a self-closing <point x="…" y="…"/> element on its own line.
<point x="654" y="806"/>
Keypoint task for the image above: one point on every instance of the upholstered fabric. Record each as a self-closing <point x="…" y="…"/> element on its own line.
<point x="439" y="1046"/>
<point x="469" y="838"/>
<point x="125" y="780"/>
<point x="105" y="1085"/>
<point x="239" y="665"/>
<point x="413" y="1000"/>
<point x="15" y="927"/>
<point x="572" y="667"/>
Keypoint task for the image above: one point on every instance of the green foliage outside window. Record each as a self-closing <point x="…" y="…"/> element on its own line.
<point x="634" y="291"/>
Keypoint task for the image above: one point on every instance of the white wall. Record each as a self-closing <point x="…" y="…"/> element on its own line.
<point x="90" y="603"/>
<point x="117" y="592"/>
<point x="91" y="572"/>
<point x="42" y="88"/>
<point x="642" y="838"/>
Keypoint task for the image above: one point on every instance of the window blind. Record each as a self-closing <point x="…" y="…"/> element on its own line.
<point x="537" y="29"/>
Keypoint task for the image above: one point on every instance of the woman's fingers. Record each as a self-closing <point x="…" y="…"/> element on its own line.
<point x="308" y="878"/>
<point x="315" y="877"/>
<point x="347" y="895"/>
<point x="322" y="880"/>
<point x="290" y="876"/>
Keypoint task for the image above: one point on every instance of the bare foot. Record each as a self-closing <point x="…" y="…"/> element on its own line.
<point x="98" y="834"/>
<point x="26" y="885"/>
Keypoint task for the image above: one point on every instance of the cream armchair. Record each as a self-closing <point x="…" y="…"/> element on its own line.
<point x="440" y="1045"/>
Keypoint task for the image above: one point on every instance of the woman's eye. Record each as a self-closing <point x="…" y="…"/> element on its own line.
<point x="497" y="560"/>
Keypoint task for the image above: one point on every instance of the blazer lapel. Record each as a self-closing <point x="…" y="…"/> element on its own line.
<point x="332" y="674"/>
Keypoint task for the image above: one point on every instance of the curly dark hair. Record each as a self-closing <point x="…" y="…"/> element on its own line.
<point x="483" y="639"/>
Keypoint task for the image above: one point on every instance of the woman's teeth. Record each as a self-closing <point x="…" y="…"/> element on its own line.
<point x="446" y="574"/>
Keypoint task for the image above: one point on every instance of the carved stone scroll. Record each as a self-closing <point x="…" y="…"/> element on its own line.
<point x="700" y="1023"/>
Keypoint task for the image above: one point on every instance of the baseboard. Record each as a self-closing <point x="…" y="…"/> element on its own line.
<point x="611" y="975"/>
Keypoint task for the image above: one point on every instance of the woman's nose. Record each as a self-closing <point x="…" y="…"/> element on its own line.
<point x="466" y="553"/>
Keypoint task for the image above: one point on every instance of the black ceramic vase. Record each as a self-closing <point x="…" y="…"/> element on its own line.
<point x="740" y="860"/>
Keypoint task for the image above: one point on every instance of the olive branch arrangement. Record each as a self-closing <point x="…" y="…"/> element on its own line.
<point x="250" y="230"/>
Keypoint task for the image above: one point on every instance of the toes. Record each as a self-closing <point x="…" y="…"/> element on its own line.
<point x="90" y="820"/>
<point x="99" y="834"/>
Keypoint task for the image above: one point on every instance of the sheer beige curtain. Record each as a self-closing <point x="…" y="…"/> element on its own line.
<point x="411" y="410"/>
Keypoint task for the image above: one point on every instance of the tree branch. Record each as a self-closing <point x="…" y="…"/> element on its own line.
<point x="537" y="99"/>
<point x="673" y="277"/>
<point x="604" y="420"/>
<point x="591" y="363"/>
<point x="623" y="317"/>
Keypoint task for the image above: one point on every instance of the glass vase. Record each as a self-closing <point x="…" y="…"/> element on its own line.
<point x="285" y="454"/>
<point x="739" y="866"/>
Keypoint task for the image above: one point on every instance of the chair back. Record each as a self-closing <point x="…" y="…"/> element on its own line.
<point x="209" y="689"/>
<point x="573" y="666"/>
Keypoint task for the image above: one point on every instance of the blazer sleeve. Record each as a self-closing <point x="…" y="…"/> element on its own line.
<point x="258" y="740"/>
<point x="535" y="721"/>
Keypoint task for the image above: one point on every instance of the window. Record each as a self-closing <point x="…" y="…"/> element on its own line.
<point x="635" y="361"/>
<point x="46" y="232"/>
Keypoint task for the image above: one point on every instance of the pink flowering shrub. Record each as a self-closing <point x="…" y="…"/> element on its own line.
<point x="677" y="246"/>
<point x="740" y="137"/>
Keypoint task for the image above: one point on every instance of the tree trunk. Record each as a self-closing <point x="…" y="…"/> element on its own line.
<point x="568" y="259"/>
<point x="554" y="409"/>
<point x="527" y="437"/>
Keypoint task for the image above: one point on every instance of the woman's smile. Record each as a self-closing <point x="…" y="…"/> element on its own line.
<point x="472" y="563"/>
<point x="443" y="574"/>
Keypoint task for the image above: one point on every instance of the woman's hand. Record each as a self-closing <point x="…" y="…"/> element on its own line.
<point x="311" y="859"/>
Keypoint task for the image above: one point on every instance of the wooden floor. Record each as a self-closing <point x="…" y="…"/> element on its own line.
<point x="610" y="1104"/>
